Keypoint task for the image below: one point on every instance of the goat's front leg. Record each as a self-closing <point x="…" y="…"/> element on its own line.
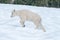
<point x="23" y="19"/>
<point x="22" y="23"/>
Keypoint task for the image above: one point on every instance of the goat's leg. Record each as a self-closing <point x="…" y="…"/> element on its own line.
<point x="42" y="27"/>
<point x="38" y="24"/>
<point x="22" y="23"/>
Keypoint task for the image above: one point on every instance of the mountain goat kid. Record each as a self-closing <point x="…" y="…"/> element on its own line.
<point x="28" y="15"/>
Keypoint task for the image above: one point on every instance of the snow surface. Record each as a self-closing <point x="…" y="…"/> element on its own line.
<point x="10" y="28"/>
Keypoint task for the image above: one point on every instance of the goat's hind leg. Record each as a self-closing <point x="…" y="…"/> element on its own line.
<point x="38" y="24"/>
<point x="42" y="27"/>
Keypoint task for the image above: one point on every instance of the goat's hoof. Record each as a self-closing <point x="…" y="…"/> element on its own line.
<point x="23" y="25"/>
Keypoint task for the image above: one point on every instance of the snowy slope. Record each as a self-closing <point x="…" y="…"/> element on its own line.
<point x="10" y="28"/>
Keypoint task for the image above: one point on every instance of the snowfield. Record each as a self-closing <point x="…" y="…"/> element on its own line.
<point x="10" y="28"/>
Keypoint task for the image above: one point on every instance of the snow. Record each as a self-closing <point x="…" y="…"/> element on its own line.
<point x="10" y="28"/>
